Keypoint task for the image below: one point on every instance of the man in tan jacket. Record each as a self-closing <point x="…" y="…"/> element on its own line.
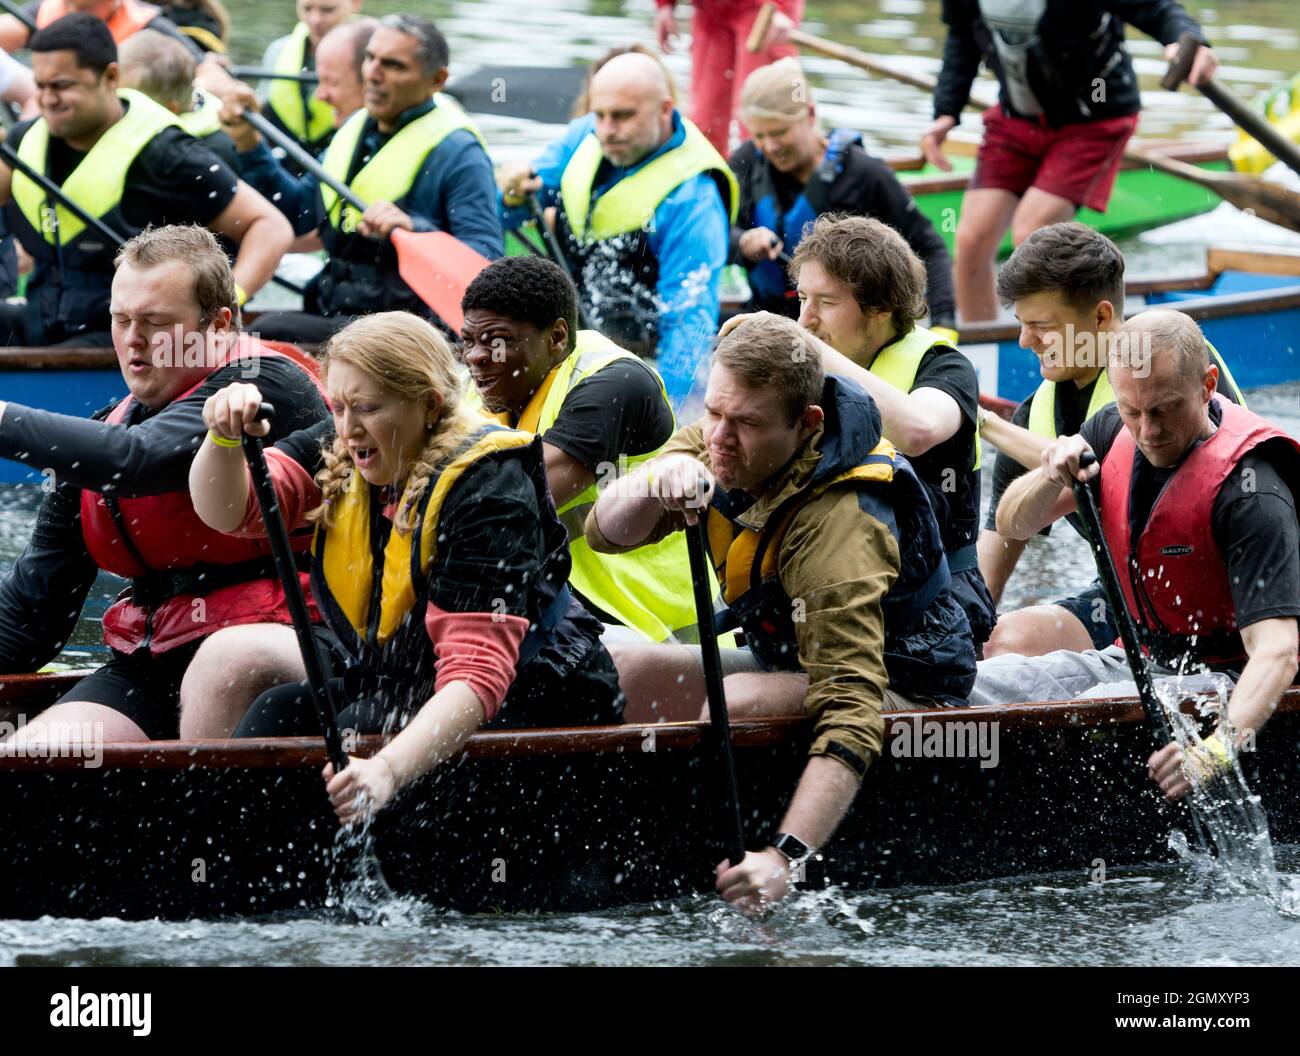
<point x="832" y="565"/>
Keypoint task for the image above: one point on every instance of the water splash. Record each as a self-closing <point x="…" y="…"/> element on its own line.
<point x="357" y="891"/>
<point x="1229" y="814"/>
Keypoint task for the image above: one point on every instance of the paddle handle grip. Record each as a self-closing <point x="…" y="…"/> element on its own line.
<point x="302" y="158"/>
<point x="697" y="549"/>
<point x="282" y="553"/>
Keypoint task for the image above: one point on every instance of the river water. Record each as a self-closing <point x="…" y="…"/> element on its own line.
<point x="1160" y="914"/>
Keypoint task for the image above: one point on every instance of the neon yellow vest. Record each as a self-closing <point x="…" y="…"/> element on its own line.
<point x="648" y="589"/>
<point x="306" y="123"/>
<point x="203" y="120"/>
<point x="344" y="553"/>
<point x="387" y="176"/>
<point x="898" y="362"/>
<point x="1042" y="410"/>
<point x="99" y="180"/>
<point x="631" y="203"/>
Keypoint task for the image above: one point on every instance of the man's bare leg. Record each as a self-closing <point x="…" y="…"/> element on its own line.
<point x="984" y="219"/>
<point x="1039" y="209"/>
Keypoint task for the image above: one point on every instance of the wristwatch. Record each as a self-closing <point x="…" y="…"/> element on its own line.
<point x="793" y="848"/>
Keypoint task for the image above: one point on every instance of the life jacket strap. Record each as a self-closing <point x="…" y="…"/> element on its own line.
<point x="544" y="631"/>
<point x="963" y="559"/>
<point x="152" y="590"/>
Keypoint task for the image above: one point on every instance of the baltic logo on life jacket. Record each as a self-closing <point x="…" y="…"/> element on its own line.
<point x="1175" y="551"/>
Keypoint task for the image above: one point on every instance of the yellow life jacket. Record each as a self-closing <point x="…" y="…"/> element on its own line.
<point x="99" y="180"/>
<point x="307" y="121"/>
<point x="1042" y="409"/>
<point x="735" y="548"/>
<point x="648" y="589"/>
<point x="898" y="362"/>
<point x="344" y="577"/>
<point x="204" y="119"/>
<point x="387" y="176"/>
<point x="631" y="203"/>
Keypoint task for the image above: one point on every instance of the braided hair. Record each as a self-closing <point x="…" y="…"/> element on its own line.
<point x="412" y="360"/>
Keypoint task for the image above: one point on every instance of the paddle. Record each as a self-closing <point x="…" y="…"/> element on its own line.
<point x="1129" y="634"/>
<point x="19" y="14"/>
<point x="437" y="266"/>
<point x="1268" y="200"/>
<point x="697" y="548"/>
<point x="322" y="692"/>
<point x="553" y="250"/>
<point x="538" y="93"/>
<point x="52" y="189"/>
<point x="259" y="73"/>
<point x="1242" y="115"/>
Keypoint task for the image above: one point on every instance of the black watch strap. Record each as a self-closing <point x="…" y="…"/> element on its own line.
<point x="794" y="849"/>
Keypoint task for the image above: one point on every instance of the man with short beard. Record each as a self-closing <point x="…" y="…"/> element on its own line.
<point x="832" y="565"/>
<point x="121" y="499"/>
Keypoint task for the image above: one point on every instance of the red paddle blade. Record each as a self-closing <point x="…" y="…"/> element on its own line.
<point x="437" y="267"/>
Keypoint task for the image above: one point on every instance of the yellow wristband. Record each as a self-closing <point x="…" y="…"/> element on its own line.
<point x="1208" y="758"/>
<point x="241" y="295"/>
<point x="221" y="441"/>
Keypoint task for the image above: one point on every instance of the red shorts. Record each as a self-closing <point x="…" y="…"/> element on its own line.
<point x="1078" y="162"/>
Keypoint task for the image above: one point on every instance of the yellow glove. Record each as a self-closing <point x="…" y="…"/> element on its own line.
<point x="241" y="295"/>
<point x="1207" y="759"/>
<point x="947" y="333"/>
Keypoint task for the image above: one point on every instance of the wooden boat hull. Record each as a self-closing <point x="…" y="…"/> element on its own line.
<point x="579" y="819"/>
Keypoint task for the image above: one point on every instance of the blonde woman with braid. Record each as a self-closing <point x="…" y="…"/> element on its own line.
<point x="438" y="563"/>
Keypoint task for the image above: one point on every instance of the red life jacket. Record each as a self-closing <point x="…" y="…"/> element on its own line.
<point x="162" y="534"/>
<point x="1176" y="566"/>
<point x="130" y="17"/>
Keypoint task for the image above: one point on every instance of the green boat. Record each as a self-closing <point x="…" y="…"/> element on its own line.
<point x="1143" y="198"/>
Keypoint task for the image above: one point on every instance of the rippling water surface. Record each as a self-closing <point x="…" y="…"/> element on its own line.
<point x="1183" y="913"/>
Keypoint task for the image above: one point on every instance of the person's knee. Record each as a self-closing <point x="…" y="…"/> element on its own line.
<point x="752" y="694"/>
<point x="976" y="239"/>
<point x="1035" y="631"/>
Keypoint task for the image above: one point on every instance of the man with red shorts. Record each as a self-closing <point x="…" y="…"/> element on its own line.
<point x="1067" y="105"/>
<point x="720" y="61"/>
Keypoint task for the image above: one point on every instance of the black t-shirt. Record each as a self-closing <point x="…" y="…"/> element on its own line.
<point x="618" y="411"/>
<point x="945" y="469"/>
<point x="42" y="594"/>
<point x="173" y="180"/>
<point x="1253" y="520"/>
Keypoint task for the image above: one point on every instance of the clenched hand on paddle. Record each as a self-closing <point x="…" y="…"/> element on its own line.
<point x="437" y="266"/>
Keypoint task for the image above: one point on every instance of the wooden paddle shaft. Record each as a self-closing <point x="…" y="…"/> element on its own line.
<point x="19" y="14"/>
<point x="285" y="566"/>
<point x="1242" y="115"/>
<point x="852" y="56"/>
<point x="257" y="73"/>
<point x="302" y="158"/>
<point x="696" y="545"/>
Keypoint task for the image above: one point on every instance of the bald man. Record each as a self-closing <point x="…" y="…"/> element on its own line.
<point x="1197" y="501"/>
<point x="644" y="205"/>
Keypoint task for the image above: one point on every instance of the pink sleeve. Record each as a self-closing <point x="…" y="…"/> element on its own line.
<point x="478" y="648"/>
<point x="296" y="491"/>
